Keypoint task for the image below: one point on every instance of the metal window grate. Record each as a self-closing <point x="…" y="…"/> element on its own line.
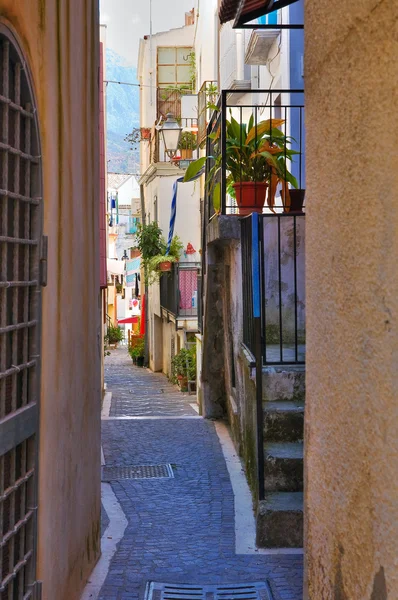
<point x="240" y="591"/>
<point x="116" y="473"/>
<point x="20" y="234"/>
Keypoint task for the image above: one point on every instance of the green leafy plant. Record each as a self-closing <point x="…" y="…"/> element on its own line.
<point x="192" y="70"/>
<point x="114" y="334"/>
<point x="254" y="153"/>
<point x="149" y="240"/>
<point x="152" y="264"/>
<point x="137" y="347"/>
<point x="188" y="141"/>
<point x="183" y="365"/>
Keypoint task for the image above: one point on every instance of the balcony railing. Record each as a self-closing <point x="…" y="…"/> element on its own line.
<point x="273" y="268"/>
<point x="179" y="290"/>
<point x="207" y="96"/>
<point x="256" y="139"/>
<point x="188" y="147"/>
<point x="169" y="101"/>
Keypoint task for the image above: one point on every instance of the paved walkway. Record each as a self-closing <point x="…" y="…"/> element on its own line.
<point x="179" y="530"/>
<point x="139" y="392"/>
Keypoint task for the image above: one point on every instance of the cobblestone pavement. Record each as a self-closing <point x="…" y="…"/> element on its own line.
<point x="179" y="530"/>
<point x="139" y="392"/>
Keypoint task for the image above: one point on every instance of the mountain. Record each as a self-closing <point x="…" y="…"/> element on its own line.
<point x="123" y="114"/>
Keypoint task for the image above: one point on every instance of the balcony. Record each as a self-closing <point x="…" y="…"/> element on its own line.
<point x="169" y="101"/>
<point x="179" y="292"/>
<point x="255" y="189"/>
<point x="257" y="142"/>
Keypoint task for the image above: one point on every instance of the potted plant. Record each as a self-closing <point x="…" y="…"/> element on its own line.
<point x="114" y="335"/>
<point x="256" y="162"/>
<point x="162" y="263"/>
<point x="137" y="349"/>
<point x="183" y="367"/>
<point x="145" y="133"/>
<point x="188" y="143"/>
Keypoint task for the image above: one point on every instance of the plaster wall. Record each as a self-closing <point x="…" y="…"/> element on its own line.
<point x="187" y="223"/>
<point x="169" y="332"/>
<point x="60" y="40"/>
<point x="127" y="191"/>
<point x="351" y="458"/>
<point x="206" y="41"/>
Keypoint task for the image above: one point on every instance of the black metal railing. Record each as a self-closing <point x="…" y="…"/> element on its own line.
<point x="207" y="97"/>
<point x="278" y="261"/>
<point x="179" y="291"/>
<point x="257" y="141"/>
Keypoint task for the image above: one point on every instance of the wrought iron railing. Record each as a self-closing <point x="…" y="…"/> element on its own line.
<point x="277" y="259"/>
<point x="207" y="97"/>
<point x="169" y="101"/>
<point x="179" y="290"/>
<point x="256" y="139"/>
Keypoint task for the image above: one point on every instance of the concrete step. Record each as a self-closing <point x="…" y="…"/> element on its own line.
<point x="284" y="383"/>
<point x="279" y="522"/>
<point x="283" y="421"/>
<point x="283" y="467"/>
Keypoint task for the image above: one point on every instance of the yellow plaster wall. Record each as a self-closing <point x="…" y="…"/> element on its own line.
<point x="60" y="40"/>
<point x="351" y="501"/>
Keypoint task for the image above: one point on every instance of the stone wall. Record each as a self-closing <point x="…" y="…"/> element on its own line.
<point x="352" y="300"/>
<point x="227" y="383"/>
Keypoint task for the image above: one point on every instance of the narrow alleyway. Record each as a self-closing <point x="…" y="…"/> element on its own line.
<point x="181" y="529"/>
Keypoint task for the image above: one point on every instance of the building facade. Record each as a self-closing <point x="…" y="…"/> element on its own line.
<point x="167" y="74"/>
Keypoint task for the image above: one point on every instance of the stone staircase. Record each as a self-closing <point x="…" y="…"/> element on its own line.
<point x="280" y="514"/>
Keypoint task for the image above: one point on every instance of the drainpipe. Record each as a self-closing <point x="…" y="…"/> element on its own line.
<point x="146" y="347"/>
<point x="150" y="55"/>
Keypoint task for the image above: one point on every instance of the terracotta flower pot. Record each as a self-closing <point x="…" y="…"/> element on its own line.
<point x="250" y="196"/>
<point x="182" y="382"/>
<point x="186" y="153"/>
<point x="145" y="133"/>
<point x="165" y="266"/>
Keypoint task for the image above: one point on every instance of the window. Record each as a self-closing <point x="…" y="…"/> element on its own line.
<point x="174" y="66"/>
<point x="269" y="19"/>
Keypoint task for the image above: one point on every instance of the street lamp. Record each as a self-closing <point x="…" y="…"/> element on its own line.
<point x="171" y="132"/>
<point x="125" y="257"/>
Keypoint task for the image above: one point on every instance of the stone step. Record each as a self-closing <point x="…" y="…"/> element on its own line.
<point x="283" y="421"/>
<point x="279" y="522"/>
<point x="281" y="383"/>
<point x="283" y="467"/>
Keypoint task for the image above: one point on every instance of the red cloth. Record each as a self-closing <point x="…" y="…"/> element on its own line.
<point x="188" y="285"/>
<point x="142" y="327"/>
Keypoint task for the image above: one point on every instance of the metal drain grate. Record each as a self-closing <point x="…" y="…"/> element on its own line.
<point x="240" y="591"/>
<point x="137" y="472"/>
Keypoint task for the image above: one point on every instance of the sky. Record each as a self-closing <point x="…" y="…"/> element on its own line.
<point x="128" y="20"/>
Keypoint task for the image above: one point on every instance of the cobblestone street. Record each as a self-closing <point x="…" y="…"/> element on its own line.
<point x="180" y="530"/>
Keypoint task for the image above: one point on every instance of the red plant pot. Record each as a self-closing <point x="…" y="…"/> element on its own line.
<point x="250" y="196"/>
<point x="165" y="266"/>
<point x="145" y="133"/>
